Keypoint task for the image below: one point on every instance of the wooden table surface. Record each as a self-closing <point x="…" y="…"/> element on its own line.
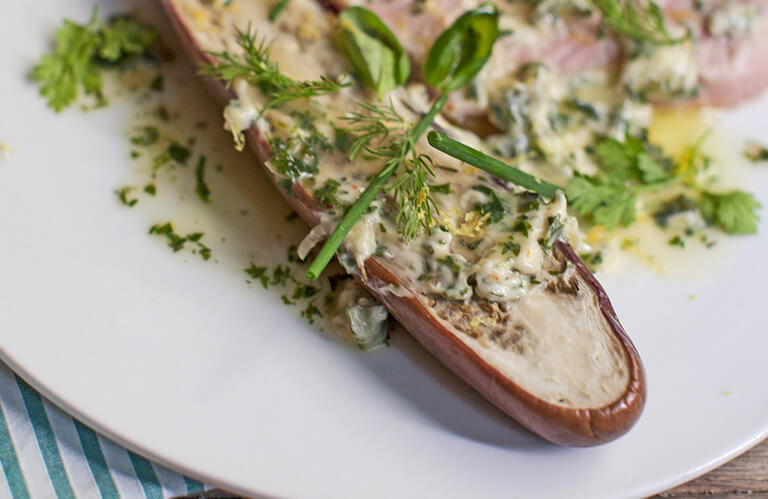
<point x="745" y="475"/>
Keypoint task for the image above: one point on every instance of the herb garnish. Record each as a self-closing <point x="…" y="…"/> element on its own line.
<point x="201" y="188"/>
<point x="755" y="152"/>
<point x="256" y="65"/>
<point x="641" y="20"/>
<point x="277" y="9"/>
<point x="628" y="169"/>
<point x="635" y="166"/>
<point x="147" y="137"/>
<point x="381" y="132"/>
<point x="122" y="195"/>
<point x="81" y="50"/>
<point x="374" y="52"/>
<point x="478" y="159"/>
<point x="177" y="242"/>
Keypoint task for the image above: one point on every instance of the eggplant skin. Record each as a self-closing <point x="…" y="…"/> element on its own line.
<point x="560" y="425"/>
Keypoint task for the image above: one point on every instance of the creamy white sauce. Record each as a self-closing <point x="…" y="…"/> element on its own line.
<point x="668" y="70"/>
<point x="734" y="19"/>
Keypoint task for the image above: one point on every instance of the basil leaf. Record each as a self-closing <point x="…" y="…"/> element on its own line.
<point x="374" y="52"/>
<point x="463" y="49"/>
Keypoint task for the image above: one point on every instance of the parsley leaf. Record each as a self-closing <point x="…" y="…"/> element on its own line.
<point x="610" y="197"/>
<point x="735" y="212"/>
<point x="77" y="53"/>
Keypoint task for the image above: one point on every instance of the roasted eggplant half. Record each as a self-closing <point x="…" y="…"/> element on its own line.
<point x="514" y="313"/>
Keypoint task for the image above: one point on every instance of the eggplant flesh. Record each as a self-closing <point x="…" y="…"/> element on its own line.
<point x="558" y="361"/>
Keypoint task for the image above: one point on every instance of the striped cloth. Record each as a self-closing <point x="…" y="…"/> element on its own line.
<point x="46" y="453"/>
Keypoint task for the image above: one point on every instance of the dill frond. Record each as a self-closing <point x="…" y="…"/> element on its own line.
<point x="256" y="65"/>
<point x="641" y="20"/>
<point x="379" y="131"/>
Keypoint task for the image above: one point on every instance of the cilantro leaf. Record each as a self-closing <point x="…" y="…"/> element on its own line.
<point x="735" y="212"/>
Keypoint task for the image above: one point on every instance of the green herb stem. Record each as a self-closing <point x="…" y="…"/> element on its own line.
<point x="362" y="203"/>
<point x="492" y="165"/>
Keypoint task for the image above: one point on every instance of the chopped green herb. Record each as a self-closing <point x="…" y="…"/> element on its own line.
<point x="678" y="205"/>
<point x="511" y="246"/>
<point x="162" y="113"/>
<point x="201" y="188"/>
<point x="281" y="275"/>
<point x="449" y="262"/>
<point x="584" y="107"/>
<point x="179" y="153"/>
<point x="554" y="232"/>
<point x="148" y="136"/>
<point x="258" y="273"/>
<point x="471" y="246"/>
<point x="677" y="241"/>
<point x="276" y="9"/>
<point x="122" y="195"/>
<point x="303" y="291"/>
<point x="150" y="189"/>
<point x="157" y="83"/>
<point x="177" y="242"/>
<point x="311" y="312"/>
<point x="294" y="157"/>
<point x="496" y="207"/>
<point x="755" y="152"/>
<point x="522" y="225"/>
<point x="441" y="188"/>
<point x="326" y="195"/>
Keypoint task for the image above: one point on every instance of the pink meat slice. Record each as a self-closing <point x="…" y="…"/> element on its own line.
<point x="731" y="70"/>
<point x="418" y="24"/>
<point x="734" y="70"/>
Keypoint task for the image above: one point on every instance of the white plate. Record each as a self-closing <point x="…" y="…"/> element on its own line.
<point x="182" y="361"/>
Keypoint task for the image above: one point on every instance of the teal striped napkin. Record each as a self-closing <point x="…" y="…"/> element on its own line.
<point x="47" y="453"/>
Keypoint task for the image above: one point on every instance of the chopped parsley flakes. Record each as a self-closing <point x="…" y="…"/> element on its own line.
<point x="122" y="195"/>
<point x="177" y="242"/>
<point x="201" y="188"/>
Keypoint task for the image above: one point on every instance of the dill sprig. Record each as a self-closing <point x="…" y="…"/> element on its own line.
<point x="256" y="65"/>
<point x="413" y="198"/>
<point x="640" y="20"/>
<point x="381" y="132"/>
